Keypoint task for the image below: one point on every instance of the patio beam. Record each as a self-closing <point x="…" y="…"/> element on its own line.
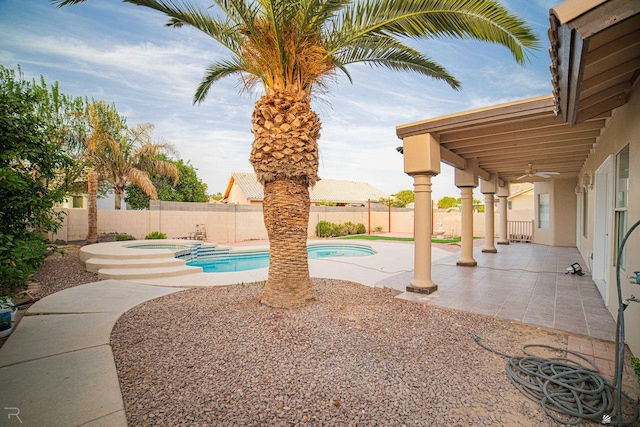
<point x="551" y="142"/>
<point x="454" y="141"/>
<point x="452" y="159"/>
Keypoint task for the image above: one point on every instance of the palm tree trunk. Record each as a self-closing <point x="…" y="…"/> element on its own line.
<point x="285" y="158"/>
<point x="92" y="208"/>
<point x="117" y="198"/>
<point x="286" y="216"/>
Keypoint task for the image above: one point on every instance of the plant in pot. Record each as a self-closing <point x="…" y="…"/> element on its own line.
<point x="7" y="315"/>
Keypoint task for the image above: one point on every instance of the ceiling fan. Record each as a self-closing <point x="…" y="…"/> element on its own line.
<point x="531" y="172"/>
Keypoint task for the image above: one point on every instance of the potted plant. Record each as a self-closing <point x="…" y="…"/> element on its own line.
<point x="7" y="316"/>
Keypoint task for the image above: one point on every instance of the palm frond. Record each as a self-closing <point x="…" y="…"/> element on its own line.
<point x="389" y="53"/>
<point x="484" y="20"/>
<point x="143" y="181"/>
<point x="61" y="3"/>
<point x="184" y="13"/>
<point x="217" y="71"/>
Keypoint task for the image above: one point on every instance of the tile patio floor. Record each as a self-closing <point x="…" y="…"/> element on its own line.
<point x="523" y="282"/>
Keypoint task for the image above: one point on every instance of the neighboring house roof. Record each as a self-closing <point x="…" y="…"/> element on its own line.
<point x="325" y="190"/>
<point x="595" y="56"/>
<point x="520" y="189"/>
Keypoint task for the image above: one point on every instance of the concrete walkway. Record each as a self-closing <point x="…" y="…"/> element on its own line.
<point x="57" y="368"/>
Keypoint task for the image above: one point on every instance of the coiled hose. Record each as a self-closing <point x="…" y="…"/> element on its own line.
<point x="564" y="387"/>
<point x="567" y="391"/>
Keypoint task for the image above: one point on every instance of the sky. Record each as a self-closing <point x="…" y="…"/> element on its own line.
<point x="123" y="54"/>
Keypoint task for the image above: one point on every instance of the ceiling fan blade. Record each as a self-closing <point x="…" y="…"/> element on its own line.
<point x="523" y="176"/>
<point x="550" y="173"/>
<point x="542" y="175"/>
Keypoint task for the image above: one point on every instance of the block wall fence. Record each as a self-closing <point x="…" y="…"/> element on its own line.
<point x="238" y="223"/>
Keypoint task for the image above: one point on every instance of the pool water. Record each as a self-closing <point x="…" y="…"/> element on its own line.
<point x="251" y="261"/>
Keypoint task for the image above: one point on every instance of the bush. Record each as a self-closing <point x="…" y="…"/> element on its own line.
<point x="124" y="237"/>
<point x="329" y="229"/>
<point x="323" y="229"/>
<point x="155" y="235"/>
<point x="20" y="257"/>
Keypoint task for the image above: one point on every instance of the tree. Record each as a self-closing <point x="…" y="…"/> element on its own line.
<point x="405" y="197"/>
<point x="188" y="189"/>
<point x="131" y="157"/>
<point x="30" y="155"/>
<point x="448" y="202"/>
<point x="293" y="48"/>
<point x="218" y="196"/>
<point x="396" y="203"/>
<point x="105" y="126"/>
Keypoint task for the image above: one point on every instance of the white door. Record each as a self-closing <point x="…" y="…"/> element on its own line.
<point x="603" y="202"/>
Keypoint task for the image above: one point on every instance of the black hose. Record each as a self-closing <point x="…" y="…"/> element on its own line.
<point x="619" y="363"/>
<point x="567" y="391"/>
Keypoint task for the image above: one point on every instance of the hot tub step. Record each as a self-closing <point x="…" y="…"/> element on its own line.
<point x="146" y="273"/>
<point x="95" y="264"/>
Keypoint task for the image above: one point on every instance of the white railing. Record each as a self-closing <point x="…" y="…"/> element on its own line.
<point x="520" y="231"/>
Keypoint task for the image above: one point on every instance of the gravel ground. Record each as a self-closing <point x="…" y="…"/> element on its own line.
<point x="62" y="271"/>
<point x="354" y="357"/>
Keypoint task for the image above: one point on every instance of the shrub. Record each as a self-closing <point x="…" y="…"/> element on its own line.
<point x="155" y="235"/>
<point x="20" y="257"/>
<point x="329" y="229"/>
<point x="635" y="364"/>
<point x="124" y="237"/>
<point x="323" y="229"/>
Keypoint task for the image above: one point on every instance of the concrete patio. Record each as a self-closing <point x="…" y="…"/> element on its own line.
<point x="523" y="282"/>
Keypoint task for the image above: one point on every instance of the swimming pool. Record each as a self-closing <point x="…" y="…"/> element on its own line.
<point x="260" y="259"/>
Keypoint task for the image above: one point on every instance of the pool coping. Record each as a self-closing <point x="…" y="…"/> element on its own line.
<point x="391" y="258"/>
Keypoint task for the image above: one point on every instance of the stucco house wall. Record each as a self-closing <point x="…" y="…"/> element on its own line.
<point x="623" y="128"/>
<point x="562" y="213"/>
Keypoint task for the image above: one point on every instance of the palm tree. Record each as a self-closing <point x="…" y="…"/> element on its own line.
<point x="132" y="158"/>
<point x="292" y="48"/>
<point x="105" y="125"/>
<point x="119" y="156"/>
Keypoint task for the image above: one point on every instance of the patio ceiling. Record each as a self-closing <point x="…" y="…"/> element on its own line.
<point x="595" y="55"/>
<point x="505" y="139"/>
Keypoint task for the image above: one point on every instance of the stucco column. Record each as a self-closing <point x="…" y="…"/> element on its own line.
<point x="503" y="234"/>
<point x="422" y="282"/>
<point x="489" y="231"/>
<point x="503" y="238"/>
<point x="466" y="259"/>
<point x="422" y="161"/>
<point x="489" y="187"/>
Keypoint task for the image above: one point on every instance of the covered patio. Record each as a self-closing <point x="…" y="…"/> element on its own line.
<point x="526" y="283"/>
<point x="490" y="148"/>
<point x="578" y="145"/>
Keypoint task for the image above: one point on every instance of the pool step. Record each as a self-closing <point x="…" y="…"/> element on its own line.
<point x="95" y="264"/>
<point x="146" y="273"/>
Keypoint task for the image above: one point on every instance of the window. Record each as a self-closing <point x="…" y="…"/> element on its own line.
<point x="622" y="203"/>
<point x="543" y="210"/>
<point x="509" y="205"/>
<point x="585" y="212"/>
<point x="78" y="202"/>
